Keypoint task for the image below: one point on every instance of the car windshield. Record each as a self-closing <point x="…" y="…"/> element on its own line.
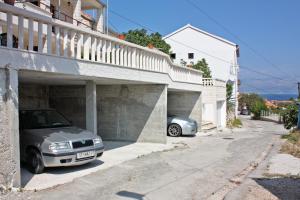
<point x="37" y="119"/>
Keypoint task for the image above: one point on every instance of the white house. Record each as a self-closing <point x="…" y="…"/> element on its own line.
<point x="190" y="44"/>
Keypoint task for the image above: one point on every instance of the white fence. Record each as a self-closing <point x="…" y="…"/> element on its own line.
<point x="45" y="35"/>
<point x="213" y="82"/>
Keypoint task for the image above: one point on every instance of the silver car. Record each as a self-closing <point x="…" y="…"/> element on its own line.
<point x="178" y="126"/>
<point x="47" y="139"/>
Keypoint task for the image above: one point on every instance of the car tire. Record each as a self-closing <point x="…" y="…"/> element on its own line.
<point x="174" y="130"/>
<point x="35" y="161"/>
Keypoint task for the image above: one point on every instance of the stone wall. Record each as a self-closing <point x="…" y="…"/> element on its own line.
<point x="186" y="104"/>
<point x="132" y="112"/>
<point x="9" y="129"/>
<point x="32" y="96"/>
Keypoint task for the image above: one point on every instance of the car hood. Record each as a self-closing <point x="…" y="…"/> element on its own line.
<point x="61" y="134"/>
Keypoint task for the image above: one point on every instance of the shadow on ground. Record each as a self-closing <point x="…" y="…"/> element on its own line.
<point x="131" y="195"/>
<point x="282" y="188"/>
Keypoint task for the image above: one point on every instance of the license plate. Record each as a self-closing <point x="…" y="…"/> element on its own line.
<point x="85" y="154"/>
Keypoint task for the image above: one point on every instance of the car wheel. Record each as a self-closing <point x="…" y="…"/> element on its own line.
<point x="35" y="161"/>
<point x="174" y="130"/>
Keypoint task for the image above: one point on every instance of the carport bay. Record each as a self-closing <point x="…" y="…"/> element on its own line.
<point x="123" y="112"/>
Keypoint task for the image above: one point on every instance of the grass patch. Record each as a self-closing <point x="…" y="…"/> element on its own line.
<point x="292" y="145"/>
<point x="235" y="123"/>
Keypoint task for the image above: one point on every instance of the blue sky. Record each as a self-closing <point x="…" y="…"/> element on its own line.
<point x="271" y="27"/>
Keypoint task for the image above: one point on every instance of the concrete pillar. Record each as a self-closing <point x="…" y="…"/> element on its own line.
<point x="186" y="104"/>
<point x="91" y="107"/>
<point x="100" y="20"/>
<point x="9" y="129"/>
<point x="77" y="11"/>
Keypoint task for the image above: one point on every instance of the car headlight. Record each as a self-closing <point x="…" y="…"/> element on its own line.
<point x="97" y="141"/>
<point x="57" y="146"/>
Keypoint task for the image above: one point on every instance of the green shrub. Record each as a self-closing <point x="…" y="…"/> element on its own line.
<point x="290" y="116"/>
<point x="256" y="109"/>
<point x="235" y="123"/>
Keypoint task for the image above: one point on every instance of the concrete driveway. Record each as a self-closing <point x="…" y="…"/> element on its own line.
<point x="196" y="169"/>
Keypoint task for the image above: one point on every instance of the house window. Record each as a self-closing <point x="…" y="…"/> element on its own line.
<point x="173" y="55"/>
<point x="191" y="55"/>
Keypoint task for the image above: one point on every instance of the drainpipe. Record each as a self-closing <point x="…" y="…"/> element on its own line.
<point x="298" y="104"/>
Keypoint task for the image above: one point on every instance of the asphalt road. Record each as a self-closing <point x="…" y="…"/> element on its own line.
<point x="194" y="171"/>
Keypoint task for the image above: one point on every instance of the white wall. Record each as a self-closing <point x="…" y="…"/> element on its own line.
<point x="190" y="40"/>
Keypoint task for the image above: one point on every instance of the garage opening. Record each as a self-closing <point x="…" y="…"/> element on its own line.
<point x="184" y="105"/>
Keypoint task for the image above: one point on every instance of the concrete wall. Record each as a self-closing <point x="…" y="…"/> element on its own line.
<point x="187" y="104"/>
<point x="132" y="112"/>
<point x="69" y="101"/>
<point x="9" y="129"/>
<point x="32" y="96"/>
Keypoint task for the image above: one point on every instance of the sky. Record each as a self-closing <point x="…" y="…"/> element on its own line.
<point x="271" y="28"/>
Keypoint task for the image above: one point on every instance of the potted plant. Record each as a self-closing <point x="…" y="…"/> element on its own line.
<point x="150" y="46"/>
<point x="121" y="37"/>
<point x="10" y="2"/>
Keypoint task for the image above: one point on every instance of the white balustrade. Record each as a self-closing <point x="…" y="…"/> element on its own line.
<point x="58" y="38"/>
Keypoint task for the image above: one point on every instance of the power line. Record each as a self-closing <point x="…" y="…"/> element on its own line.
<point x="238" y="38"/>
<point x="242" y="67"/>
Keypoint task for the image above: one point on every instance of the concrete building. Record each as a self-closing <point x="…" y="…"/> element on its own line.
<point x="190" y="44"/>
<point x="116" y="89"/>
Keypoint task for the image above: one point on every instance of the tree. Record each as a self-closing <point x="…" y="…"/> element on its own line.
<point x="290" y="116"/>
<point x="203" y="66"/>
<point x="254" y="103"/>
<point x="141" y="37"/>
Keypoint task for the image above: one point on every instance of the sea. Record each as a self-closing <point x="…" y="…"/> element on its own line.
<point x="279" y="97"/>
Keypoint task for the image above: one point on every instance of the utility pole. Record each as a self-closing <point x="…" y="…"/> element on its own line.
<point x="298" y="104"/>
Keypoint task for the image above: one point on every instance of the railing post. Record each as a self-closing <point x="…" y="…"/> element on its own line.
<point x="72" y="44"/>
<point x="79" y="45"/>
<point x="121" y="55"/>
<point x="57" y="40"/>
<point x="133" y="57"/>
<point x="21" y="33"/>
<point x="30" y="36"/>
<point x="125" y="56"/>
<point x="94" y="45"/>
<point x="99" y="44"/>
<point x="113" y="53"/>
<point x="49" y="38"/>
<point x="109" y="52"/>
<point x="9" y="30"/>
<point x="118" y="55"/>
<point x="86" y="47"/>
<point x="103" y="59"/>
<point x="40" y="37"/>
<point x="66" y="42"/>
<point x="129" y="59"/>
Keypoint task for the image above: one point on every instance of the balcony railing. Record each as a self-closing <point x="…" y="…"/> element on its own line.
<point x="213" y="82"/>
<point x="55" y="37"/>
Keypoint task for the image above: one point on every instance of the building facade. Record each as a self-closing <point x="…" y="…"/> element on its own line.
<point x="190" y="45"/>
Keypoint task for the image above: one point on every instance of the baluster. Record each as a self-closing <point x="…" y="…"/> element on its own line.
<point x="57" y="40"/>
<point x="86" y="47"/>
<point x="9" y="43"/>
<point x="108" y="52"/>
<point x="129" y="59"/>
<point x="122" y="55"/>
<point x="79" y="45"/>
<point x="21" y="33"/>
<point x="113" y="53"/>
<point x="94" y="46"/>
<point x="104" y="60"/>
<point x="40" y="37"/>
<point x="99" y="45"/>
<point x="30" y="36"/>
<point x="49" y="38"/>
<point x="133" y="57"/>
<point x="118" y="55"/>
<point x="125" y="56"/>
<point x="65" y="43"/>
<point x="72" y="44"/>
